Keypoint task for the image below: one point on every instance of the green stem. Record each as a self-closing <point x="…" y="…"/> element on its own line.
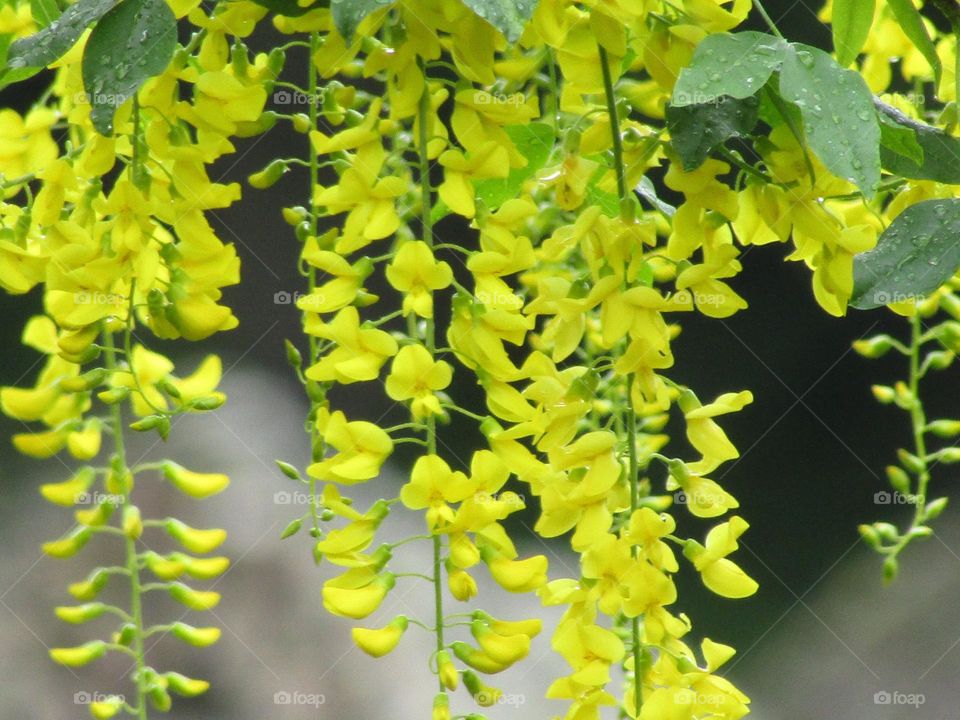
<point x="918" y="418"/>
<point x="426" y="209"/>
<point x="767" y="19"/>
<point x="133" y="570"/>
<point x="634" y="469"/>
<point x="614" y="130"/>
<point x="317" y="448"/>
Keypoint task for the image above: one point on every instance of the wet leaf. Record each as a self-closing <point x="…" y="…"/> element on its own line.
<point x="131" y="43"/>
<point x="839" y="120"/>
<point x="348" y="14"/>
<point x="534" y="142"/>
<point x="507" y="16"/>
<point x="724" y="64"/>
<point x="695" y="130"/>
<point x="940" y="153"/>
<point x="851" y="21"/>
<point x="914" y="256"/>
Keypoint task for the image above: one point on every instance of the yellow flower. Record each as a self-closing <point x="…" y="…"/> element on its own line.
<point x="719" y="574"/>
<point x="360" y="351"/>
<point x="415" y="272"/>
<point x="432" y="486"/>
<point x="222" y="101"/>
<point x="416" y="376"/>
<point x="357" y="593"/>
<point x="489" y="160"/>
<point x="370" y="204"/>
<point x="361" y="446"/>
<point x="705" y="435"/>
<point x="381" y="641"/>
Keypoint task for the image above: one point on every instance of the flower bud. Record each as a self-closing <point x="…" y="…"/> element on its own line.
<point x="934" y="509"/>
<point x="68" y="492"/>
<point x="198" y="637"/>
<point x="874" y="347"/>
<point x="106" y="709"/>
<point x="196" y="541"/>
<point x="79" y="614"/>
<point x="132" y="522"/>
<point x="67" y="546"/>
<point x="196" y="485"/>
<point x="269" y="176"/>
<point x="184" y="686"/>
<point x="194" y="599"/>
<point x="447" y="671"/>
<point x="79" y="656"/>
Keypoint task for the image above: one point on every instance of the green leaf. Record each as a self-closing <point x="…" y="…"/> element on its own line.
<point x="31" y="54"/>
<point x="911" y="22"/>
<point x="940" y="152"/>
<point x="44" y="11"/>
<point x="695" y="130"/>
<point x="723" y="64"/>
<point x="131" y="43"/>
<point x="914" y="256"/>
<point x="900" y="140"/>
<point x="348" y="14"/>
<point x="534" y="142"/>
<point x="839" y="119"/>
<point x="507" y="16"/>
<point x="851" y="21"/>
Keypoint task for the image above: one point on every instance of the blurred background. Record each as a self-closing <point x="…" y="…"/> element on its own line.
<point x="822" y="638"/>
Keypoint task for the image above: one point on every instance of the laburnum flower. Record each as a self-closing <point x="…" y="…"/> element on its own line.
<point x="370" y="204"/>
<point x="713" y="297"/>
<point x="486" y="161"/>
<point x="719" y="574"/>
<point x="146" y="371"/>
<point x="646" y="529"/>
<point x="358" y="592"/>
<point x="416" y="273"/>
<point x="342" y="289"/>
<point x="716" y="15"/>
<point x="360" y="351"/>
<point x="702" y="188"/>
<point x="702" y="496"/>
<point x="590" y="650"/>
<point x="363" y="140"/>
<point x="380" y="641"/>
<point x="26" y="144"/>
<point x="416" y="377"/>
<point x="343" y="545"/>
<point x="361" y="446"/>
<point x="704" y="434"/>
<point x="222" y="101"/>
<point x="201" y="383"/>
<point x="477" y="334"/>
<point x="21" y="268"/>
<point x="569" y="180"/>
<point x="683" y="687"/>
<point x="478" y="119"/>
<point x="433" y="486"/>
<point x="485" y="506"/>
<point x="515" y="575"/>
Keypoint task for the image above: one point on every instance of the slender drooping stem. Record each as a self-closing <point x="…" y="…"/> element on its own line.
<point x="119" y="467"/>
<point x="766" y="18"/>
<point x="631" y="415"/>
<point x="426" y="210"/>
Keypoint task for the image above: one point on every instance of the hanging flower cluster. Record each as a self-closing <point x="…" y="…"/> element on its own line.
<point x="562" y="302"/>
<point x="597" y="165"/>
<point x="106" y="215"/>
